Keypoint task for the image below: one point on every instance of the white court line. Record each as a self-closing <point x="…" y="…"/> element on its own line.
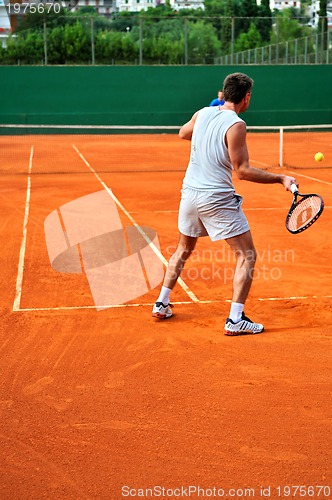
<point x="296" y="174"/>
<point x="19" y="278"/>
<point x="120" y="306"/>
<point x="139" y="229"/>
<point x="257" y="209"/>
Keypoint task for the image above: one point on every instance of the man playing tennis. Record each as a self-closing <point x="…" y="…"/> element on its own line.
<point x="209" y="204"/>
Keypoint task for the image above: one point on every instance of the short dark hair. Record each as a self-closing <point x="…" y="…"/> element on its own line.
<point x="236" y="86"/>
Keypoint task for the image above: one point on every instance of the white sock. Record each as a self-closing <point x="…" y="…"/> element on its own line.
<point x="164" y="295"/>
<point x="236" y="311"/>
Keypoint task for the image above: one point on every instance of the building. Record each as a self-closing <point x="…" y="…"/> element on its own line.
<point x="314" y="13"/>
<point x="109" y="6"/>
<point x="284" y="4"/>
<point x="137" y="5"/>
<point x="134" y="5"/>
<point x="5" y="28"/>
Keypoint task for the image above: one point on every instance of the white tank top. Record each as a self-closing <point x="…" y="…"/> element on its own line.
<point x="210" y="167"/>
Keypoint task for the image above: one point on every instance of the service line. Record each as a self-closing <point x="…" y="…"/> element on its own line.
<point x="139" y="229"/>
<point x="20" y="270"/>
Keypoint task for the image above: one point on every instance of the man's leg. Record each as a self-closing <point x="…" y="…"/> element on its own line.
<point x="183" y="251"/>
<point x="245" y="254"/>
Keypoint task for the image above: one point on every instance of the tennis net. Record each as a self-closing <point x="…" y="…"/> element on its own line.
<point x="51" y="149"/>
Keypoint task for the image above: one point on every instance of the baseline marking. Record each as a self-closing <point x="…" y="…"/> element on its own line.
<point x="19" y="279"/>
<point x="139" y="229"/>
<point x="119" y="306"/>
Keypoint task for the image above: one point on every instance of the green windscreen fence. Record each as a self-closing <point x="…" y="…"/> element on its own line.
<point x="159" y="95"/>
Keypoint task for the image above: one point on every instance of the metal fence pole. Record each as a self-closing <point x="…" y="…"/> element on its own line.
<point x="186" y="41"/>
<point x="328" y="47"/>
<point x="322" y="25"/>
<point x="306" y="50"/>
<point x="316" y="52"/>
<point x="277" y="40"/>
<point x="232" y="39"/>
<point x="45" y="44"/>
<point x="140" y="42"/>
<point x="92" y="42"/>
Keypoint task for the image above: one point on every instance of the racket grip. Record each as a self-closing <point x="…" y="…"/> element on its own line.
<point x="294" y="188"/>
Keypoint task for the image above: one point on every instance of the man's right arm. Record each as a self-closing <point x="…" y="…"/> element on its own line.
<point x="186" y="131"/>
<point x="238" y="153"/>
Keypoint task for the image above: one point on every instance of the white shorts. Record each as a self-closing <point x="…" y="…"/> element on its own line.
<point x="218" y="215"/>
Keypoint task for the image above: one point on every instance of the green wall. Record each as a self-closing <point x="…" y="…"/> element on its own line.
<point x="159" y="95"/>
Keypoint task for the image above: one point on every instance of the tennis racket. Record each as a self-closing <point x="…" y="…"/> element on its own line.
<point x="303" y="212"/>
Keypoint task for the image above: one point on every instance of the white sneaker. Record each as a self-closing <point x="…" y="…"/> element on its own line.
<point x="161" y="311"/>
<point x="242" y="327"/>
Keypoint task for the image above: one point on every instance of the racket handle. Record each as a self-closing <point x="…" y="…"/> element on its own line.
<point x="294" y="188"/>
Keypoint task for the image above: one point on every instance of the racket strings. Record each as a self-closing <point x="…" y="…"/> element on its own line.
<point x="305" y="212"/>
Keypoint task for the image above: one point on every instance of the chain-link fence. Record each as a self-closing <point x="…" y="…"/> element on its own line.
<point x="306" y="50"/>
<point x="138" y="40"/>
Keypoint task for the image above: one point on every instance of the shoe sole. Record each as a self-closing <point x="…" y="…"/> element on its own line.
<point x="237" y="334"/>
<point x="161" y="316"/>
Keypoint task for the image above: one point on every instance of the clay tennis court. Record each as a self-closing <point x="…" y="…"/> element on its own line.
<point x="111" y="404"/>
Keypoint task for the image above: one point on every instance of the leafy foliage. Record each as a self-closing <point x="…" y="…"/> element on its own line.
<point x="156" y="36"/>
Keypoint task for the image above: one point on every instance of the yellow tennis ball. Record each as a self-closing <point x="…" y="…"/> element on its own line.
<point x="319" y="156"/>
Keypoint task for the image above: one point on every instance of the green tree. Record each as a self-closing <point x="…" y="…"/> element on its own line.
<point x="123" y="20"/>
<point x="247" y="11"/>
<point x="203" y="43"/>
<point x="158" y="12"/>
<point x="249" y="40"/>
<point x="76" y="43"/>
<point x="56" y="53"/>
<point x="26" y="49"/>
<point x="264" y="21"/>
<point x="322" y="24"/>
<point x="37" y="19"/>
<point x="287" y="28"/>
<point x="214" y="8"/>
<point x="129" y="48"/>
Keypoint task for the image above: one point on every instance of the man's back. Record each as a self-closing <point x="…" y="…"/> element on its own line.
<point x="209" y="166"/>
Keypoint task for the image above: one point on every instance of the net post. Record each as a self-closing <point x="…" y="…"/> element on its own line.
<point x="281" y="146"/>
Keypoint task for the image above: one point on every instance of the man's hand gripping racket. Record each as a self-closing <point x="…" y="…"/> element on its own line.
<point x="303" y="212"/>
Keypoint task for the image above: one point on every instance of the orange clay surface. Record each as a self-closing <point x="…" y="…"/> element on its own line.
<point x="105" y="404"/>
